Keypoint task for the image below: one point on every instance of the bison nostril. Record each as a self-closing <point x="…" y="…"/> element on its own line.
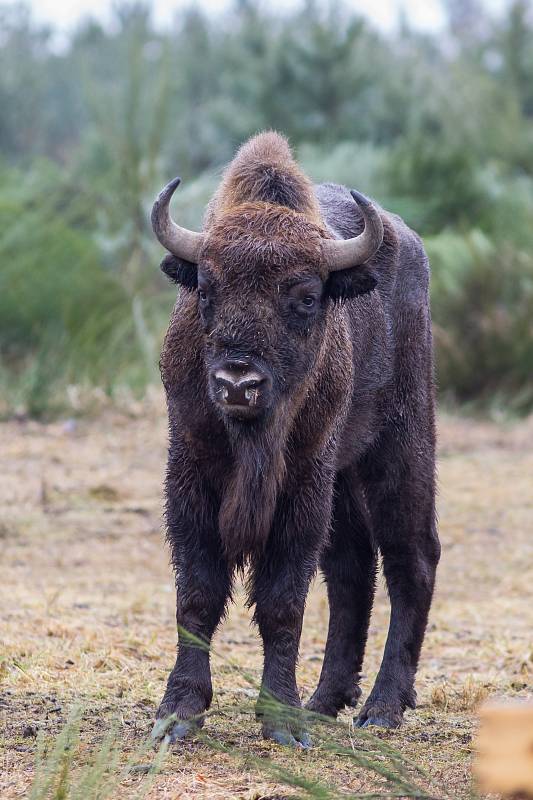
<point x="238" y="386"/>
<point x="251" y="394"/>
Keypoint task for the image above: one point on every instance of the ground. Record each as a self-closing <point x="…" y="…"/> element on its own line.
<point x="87" y="611"/>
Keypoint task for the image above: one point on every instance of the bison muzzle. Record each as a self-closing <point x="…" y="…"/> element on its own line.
<point x="298" y="372"/>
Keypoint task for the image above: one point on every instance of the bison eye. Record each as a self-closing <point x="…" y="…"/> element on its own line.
<point x="202" y="294"/>
<point x="308" y="302"/>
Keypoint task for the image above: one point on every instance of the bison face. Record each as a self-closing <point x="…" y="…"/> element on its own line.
<point x="261" y="337"/>
<point x="263" y="276"/>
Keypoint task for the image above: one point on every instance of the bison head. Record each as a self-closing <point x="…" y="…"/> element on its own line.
<point x="263" y="274"/>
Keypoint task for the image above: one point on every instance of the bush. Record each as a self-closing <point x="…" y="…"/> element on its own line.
<point x="65" y="316"/>
<point x="482" y="299"/>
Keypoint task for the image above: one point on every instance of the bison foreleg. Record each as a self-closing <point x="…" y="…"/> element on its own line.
<point x="349" y="567"/>
<point x="280" y="582"/>
<point x="203" y="586"/>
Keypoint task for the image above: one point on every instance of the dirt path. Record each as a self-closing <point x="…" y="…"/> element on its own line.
<point x="87" y="610"/>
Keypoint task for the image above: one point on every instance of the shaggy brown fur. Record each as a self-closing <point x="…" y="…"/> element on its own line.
<point x="263" y="237"/>
<point x="337" y="460"/>
<point x="264" y="170"/>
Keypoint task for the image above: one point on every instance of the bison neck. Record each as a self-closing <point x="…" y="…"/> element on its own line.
<point x="249" y="501"/>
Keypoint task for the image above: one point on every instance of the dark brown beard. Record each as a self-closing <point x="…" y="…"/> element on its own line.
<point x="249" y="502"/>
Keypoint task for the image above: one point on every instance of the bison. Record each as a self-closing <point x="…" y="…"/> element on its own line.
<point x="299" y="380"/>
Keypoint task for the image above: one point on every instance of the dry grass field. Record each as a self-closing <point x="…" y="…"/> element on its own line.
<point x="87" y="615"/>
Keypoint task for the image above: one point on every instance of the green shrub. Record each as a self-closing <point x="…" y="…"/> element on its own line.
<point x="65" y="316"/>
<point x="482" y="300"/>
<point x="355" y="164"/>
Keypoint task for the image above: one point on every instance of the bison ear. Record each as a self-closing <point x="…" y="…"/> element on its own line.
<point x="180" y="271"/>
<point x="347" y="283"/>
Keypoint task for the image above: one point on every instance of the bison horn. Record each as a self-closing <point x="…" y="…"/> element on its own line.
<point x="177" y="240"/>
<point x="345" y="253"/>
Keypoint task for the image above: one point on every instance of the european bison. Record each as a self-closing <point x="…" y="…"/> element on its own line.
<point x="298" y="373"/>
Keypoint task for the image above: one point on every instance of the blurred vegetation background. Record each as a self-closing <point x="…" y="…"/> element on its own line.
<point x="438" y="128"/>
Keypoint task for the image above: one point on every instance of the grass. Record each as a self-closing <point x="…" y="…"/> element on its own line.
<point x="57" y="777"/>
<point x="87" y="602"/>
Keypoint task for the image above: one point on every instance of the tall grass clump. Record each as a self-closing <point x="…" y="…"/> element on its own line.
<point x="59" y="775"/>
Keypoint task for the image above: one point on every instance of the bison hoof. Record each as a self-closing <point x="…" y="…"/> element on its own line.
<point x="380" y="715"/>
<point x="288" y="738"/>
<point x="328" y="704"/>
<point x="284" y="723"/>
<point x="379" y="722"/>
<point x="172" y="730"/>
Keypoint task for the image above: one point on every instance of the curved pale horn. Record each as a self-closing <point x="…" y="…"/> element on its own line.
<point x="345" y="253"/>
<point x="177" y="240"/>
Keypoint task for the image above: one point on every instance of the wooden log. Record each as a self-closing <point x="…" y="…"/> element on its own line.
<point x="504" y="749"/>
